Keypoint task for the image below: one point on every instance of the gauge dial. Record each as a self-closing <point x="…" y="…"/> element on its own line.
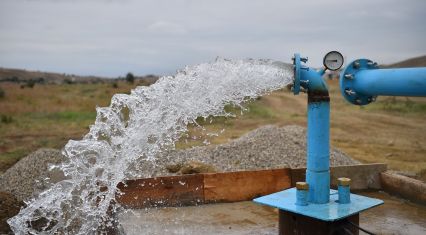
<point x="333" y="60"/>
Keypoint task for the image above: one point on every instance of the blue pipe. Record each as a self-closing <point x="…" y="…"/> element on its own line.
<point x="361" y="82"/>
<point x="392" y="82"/>
<point x="318" y="153"/>
<point x="318" y="158"/>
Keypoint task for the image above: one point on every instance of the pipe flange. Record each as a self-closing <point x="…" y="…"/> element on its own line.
<point x="296" y="70"/>
<point x="348" y="79"/>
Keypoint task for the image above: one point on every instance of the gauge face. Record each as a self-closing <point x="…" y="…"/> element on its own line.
<point x="333" y="60"/>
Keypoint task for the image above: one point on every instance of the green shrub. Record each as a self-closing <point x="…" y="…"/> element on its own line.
<point x="15" y="79"/>
<point x="41" y="80"/>
<point x="6" y="119"/>
<point x="68" y="81"/>
<point x="31" y="83"/>
<point x="2" y="93"/>
<point x="130" y="78"/>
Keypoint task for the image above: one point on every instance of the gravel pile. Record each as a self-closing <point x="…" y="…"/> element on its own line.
<point x="31" y="175"/>
<point x="264" y="148"/>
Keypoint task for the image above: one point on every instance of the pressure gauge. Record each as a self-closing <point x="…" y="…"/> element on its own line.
<point x="333" y="60"/>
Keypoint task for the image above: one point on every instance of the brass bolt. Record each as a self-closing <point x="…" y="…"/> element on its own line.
<point x="344" y="181"/>
<point x="302" y="186"/>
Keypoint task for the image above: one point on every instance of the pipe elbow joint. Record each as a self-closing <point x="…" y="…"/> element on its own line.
<point x="315" y="85"/>
<point x="310" y="80"/>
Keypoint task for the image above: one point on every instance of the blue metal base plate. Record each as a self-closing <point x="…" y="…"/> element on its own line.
<point x="332" y="211"/>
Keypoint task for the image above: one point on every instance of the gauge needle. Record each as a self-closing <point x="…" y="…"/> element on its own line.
<point x="332" y="60"/>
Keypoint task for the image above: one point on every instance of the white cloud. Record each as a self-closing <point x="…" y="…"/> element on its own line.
<point x="111" y="37"/>
<point x="165" y="27"/>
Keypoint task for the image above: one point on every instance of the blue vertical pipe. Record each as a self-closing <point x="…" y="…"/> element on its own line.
<point x="318" y="162"/>
<point x="318" y="149"/>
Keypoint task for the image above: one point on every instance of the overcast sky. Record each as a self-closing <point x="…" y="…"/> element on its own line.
<point x="113" y="37"/>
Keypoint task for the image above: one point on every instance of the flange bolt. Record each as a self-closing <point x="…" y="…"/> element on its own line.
<point x="372" y="64"/>
<point x="356" y="65"/>
<point x="350" y="92"/>
<point x="349" y="76"/>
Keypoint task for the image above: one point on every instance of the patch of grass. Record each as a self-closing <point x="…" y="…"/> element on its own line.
<point x="398" y="104"/>
<point x="257" y="110"/>
<point x="5" y="119"/>
<point x="48" y="115"/>
<point x="2" y="93"/>
<point x="88" y="90"/>
<point x="72" y="116"/>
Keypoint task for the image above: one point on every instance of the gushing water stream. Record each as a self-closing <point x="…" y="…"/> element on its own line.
<point x="138" y="127"/>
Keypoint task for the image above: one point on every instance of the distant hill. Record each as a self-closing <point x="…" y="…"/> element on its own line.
<point x="413" y="62"/>
<point x="20" y="75"/>
<point x="24" y="76"/>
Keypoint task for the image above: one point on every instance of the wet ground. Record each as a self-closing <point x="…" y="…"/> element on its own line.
<point x="396" y="216"/>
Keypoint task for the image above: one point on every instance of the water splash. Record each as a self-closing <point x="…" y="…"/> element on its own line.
<point x="138" y="127"/>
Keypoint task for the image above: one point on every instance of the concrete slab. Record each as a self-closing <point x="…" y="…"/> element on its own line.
<point x="396" y="216"/>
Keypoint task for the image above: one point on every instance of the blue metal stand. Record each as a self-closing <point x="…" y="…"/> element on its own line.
<point x="332" y="211"/>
